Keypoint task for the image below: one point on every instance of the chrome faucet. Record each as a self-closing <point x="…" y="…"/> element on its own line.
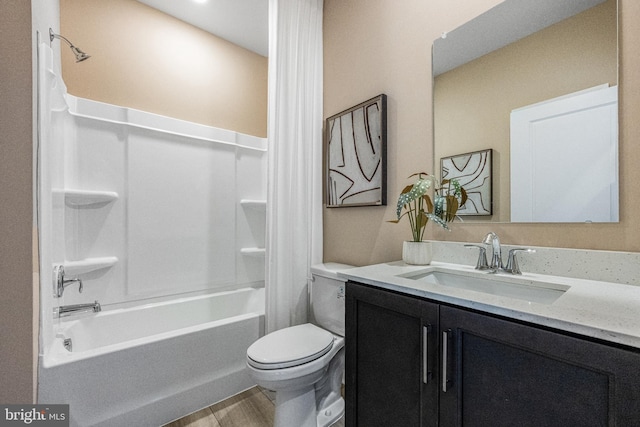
<point x="496" y="256"/>
<point x="68" y="310"/>
<point x="60" y="282"/>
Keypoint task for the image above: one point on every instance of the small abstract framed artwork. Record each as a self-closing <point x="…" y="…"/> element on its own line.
<point x="356" y="144"/>
<point x="474" y="172"/>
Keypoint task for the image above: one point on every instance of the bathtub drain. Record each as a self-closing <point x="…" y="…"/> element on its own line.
<point x="68" y="344"/>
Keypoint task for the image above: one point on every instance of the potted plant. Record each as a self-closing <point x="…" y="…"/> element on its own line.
<point x="417" y="206"/>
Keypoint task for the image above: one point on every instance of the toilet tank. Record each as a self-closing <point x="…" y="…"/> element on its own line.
<point x="327" y="296"/>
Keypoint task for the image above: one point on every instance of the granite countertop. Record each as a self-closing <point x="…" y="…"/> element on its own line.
<point x="601" y="310"/>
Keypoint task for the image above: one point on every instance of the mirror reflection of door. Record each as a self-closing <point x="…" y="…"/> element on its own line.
<point x="564" y="159"/>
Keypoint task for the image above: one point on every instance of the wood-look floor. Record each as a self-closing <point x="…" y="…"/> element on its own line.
<point x="251" y="408"/>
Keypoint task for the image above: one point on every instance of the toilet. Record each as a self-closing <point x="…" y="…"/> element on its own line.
<point x="304" y="364"/>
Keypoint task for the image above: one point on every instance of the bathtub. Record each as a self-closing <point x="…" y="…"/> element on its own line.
<point x="151" y="364"/>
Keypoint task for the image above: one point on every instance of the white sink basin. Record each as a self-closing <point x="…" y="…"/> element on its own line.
<point x="516" y="287"/>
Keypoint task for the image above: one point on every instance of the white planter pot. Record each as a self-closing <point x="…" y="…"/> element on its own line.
<point x="417" y="253"/>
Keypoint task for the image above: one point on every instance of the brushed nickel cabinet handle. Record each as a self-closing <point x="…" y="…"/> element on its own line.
<point x="445" y="362"/>
<point x="425" y="353"/>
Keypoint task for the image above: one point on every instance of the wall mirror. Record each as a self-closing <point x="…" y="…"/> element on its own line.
<point x="536" y="82"/>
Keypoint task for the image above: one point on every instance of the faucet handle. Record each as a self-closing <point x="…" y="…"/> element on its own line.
<point x="481" y="264"/>
<point x="59" y="282"/>
<point x="512" y="262"/>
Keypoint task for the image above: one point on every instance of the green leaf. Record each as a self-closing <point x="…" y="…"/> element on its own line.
<point x="438" y="206"/>
<point x="417" y="190"/>
<point x="448" y="197"/>
<point x="439" y="221"/>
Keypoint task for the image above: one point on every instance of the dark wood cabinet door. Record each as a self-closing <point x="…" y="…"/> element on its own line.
<point x="391" y="359"/>
<point x="501" y="373"/>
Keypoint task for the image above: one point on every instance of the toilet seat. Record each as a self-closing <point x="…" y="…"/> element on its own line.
<point x="289" y="347"/>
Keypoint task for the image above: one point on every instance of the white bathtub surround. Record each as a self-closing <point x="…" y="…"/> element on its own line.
<point x="294" y="209"/>
<point x="597" y="309"/>
<point x="149" y="365"/>
<point x="141" y="206"/>
<point x="605" y="266"/>
<point x="145" y="209"/>
<point x="176" y="218"/>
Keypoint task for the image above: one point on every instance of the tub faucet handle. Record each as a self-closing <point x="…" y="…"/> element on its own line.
<point x="60" y="282"/>
<point x="70" y="281"/>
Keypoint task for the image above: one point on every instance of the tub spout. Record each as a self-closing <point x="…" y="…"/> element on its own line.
<point x="68" y="310"/>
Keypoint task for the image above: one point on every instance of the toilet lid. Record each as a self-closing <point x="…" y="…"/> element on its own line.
<point x="289" y="347"/>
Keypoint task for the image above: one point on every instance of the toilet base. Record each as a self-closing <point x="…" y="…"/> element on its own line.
<point x="298" y="408"/>
<point x="331" y="414"/>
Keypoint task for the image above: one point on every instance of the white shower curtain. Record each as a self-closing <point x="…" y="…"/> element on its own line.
<point x="294" y="195"/>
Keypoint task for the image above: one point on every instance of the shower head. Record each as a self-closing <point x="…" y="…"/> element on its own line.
<point x="80" y="55"/>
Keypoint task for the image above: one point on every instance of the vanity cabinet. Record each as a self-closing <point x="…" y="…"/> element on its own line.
<point x="390" y="381"/>
<point x="481" y="370"/>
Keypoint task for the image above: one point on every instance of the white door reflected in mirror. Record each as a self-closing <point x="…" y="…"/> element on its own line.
<point x="564" y="158"/>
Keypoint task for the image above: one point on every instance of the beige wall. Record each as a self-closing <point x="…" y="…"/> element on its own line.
<point x="16" y="213"/>
<point x="147" y="60"/>
<point x="383" y="46"/>
<point x="473" y="102"/>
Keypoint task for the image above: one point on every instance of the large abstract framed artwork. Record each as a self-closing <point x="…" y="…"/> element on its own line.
<point x="473" y="171"/>
<point x="356" y="141"/>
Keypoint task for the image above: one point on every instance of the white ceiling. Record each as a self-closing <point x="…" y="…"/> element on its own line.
<point x="243" y="22"/>
<point x="507" y="22"/>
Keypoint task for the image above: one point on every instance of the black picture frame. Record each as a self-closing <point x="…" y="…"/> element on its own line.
<point x="356" y="151"/>
<point x="474" y="171"/>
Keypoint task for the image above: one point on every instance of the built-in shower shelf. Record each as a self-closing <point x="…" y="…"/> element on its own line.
<point x="257" y="252"/>
<point x="254" y="204"/>
<point x="87" y="265"/>
<point x="79" y="198"/>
